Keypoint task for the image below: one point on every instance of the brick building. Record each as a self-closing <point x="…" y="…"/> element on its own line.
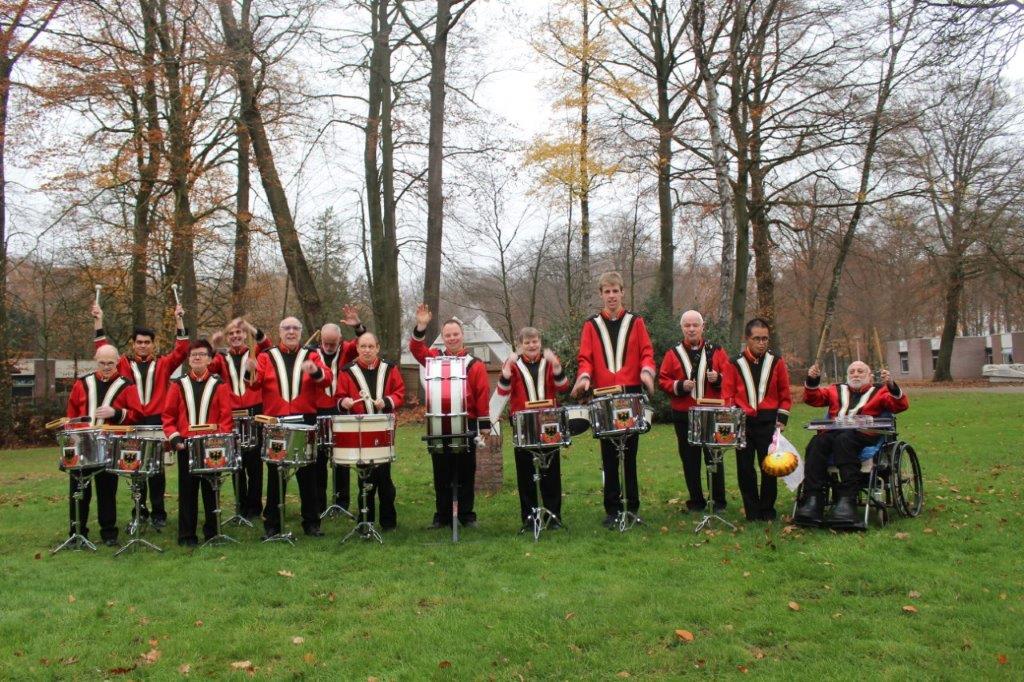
<point x="915" y="359"/>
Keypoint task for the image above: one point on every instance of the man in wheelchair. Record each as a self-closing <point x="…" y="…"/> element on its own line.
<point x="842" y="448"/>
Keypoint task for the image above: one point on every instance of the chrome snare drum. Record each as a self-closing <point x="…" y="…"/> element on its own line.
<point x="212" y="454"/>
<point x="289" y="444"/>
<point x="623" y="414"/>
<point x="137" y="452"/>
<point x="83" y="447"/>
<point x="717" y="427"/>
<point x="541" y="428"/>
<point x="363" y="439"/>
<point x="325" y="430"/>
<point x="447" y="419"/>
<point x="245" y="429"/>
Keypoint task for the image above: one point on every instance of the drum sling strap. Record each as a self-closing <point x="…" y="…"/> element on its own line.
<point x="536" y="389"/>
<point x="614" y="354"/>
<point x="92" y="395"/>
<point x="289" y="386"/>
<point x="144" y="385"/>
<point x="702" y="367"/>
<point x="236" y="374"/>
<point x="754" y="397"/>
<point x="844" y="400"/>
<point x="198" y="414"/>
<point x="367" y="395"/>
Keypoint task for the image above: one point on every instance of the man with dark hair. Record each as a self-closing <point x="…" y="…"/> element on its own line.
<point x="758" y="383"/>
<point x="197" y="398"/>
<point x="152" y="375"/>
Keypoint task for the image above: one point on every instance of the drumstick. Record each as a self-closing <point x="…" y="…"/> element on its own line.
<point x="174" y="290"/>
<point x="821" y="341"/>
<point x="878" y="348"/>
<point x="98" y="287"/>
<point x="312" y="336"/>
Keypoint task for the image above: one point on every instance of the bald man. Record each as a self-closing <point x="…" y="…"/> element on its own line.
<point x="690" y="372"/>
<point x="107" y="398"/>
<point x="858" y="396"/>
<point x="336" y="353"/>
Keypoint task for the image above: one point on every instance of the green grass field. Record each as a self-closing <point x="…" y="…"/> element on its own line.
<point x="582" y="603"/>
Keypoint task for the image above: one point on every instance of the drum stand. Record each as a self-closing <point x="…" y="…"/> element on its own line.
<point x="540" y="516"/>
<point x="76" y="540"/>
<point x="365" y="528"/>
<point x="334" y="509"/>
<point x="219" y="537"/>
<point x="137" y="482"/>
<point x="712" y="460"/>
<point x="283" y="472"/>
<point x="625" y="519"/>
<point x="237" y="519"/>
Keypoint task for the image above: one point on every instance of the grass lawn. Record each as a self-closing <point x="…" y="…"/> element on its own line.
<point x="582" y="603"/>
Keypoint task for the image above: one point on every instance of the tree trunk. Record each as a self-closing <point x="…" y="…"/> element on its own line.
<point x="763" y="275"/>
<point x="243" y="222"/>
<point x="291" y="248"/>
<point x="6" y="401"/>
<point x="951" y="319"/>
<point x="738" y="124"/>
<point x="584" y="151"/>
<point x="435" y="165"/>
<point x="667" y="258"/>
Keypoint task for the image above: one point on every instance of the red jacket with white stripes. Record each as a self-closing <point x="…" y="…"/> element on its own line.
<point x="152" y="382"/>
<point x="326" y="398"/>
<point x="230" y="365"/>
<point x="840" y="399"/>
<point x="609" y="361"/>
<point x="285" y="390"/>
<point x="386" y="385"/>
<point x="478" y="396"/>
<point x="701" y="360"/>
<point x="758" y="386"/>
<point x="211" y="404"/>
<point x="522" y="387"/>
<point x="90" y="392"/>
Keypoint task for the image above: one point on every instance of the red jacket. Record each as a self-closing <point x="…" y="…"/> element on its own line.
<point x="522" y="389"/>
<point x="326" y="398"/>
<point x="841" y="399"/>
<point x="597" y="361"/>
<point x="151" y="386"/>
<point x="388" y="387"/>
<point x="234" y="374"/>
<point x="478" y="396"/>
<point x="674" y="372"/>
<point x="211" y="404"/>
<point x="281" y="395"/>
<point x="90" y="392"/>
<point x="768" y="380"/>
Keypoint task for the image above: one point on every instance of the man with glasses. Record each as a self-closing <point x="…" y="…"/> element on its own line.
<point x="758" y="383"/>
<point x="289" y="378"/>
<point x="197" y="398"/>
<point x="105" y="397"/>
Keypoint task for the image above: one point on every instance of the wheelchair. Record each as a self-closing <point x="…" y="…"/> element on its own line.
<point x="890" y="482"/>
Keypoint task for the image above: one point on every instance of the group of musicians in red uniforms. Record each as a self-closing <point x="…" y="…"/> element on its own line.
<point x="341" y="376"/>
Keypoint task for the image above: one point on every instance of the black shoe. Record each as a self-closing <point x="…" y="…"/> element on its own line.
<point x="555" y="524"/>
<point x="388" y="529"/>
<point x="844" y="514"/>
<point x="269" y="532"/>
<point x="314" y="531"/>
<point x="769" y="515"/>
<point x="610" y="521"/>
<point x="718" y="507"/>
<point x="188" y="542"/>
<point x="695" y="506"/>
<point x="111" y="542"/>
<point x="468" y="523"/>
<point x="436" y="524"/>
<point x="809" y="513"/>
<point x="159" y="522"/>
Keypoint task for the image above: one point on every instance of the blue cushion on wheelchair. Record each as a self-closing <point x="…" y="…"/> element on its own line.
<point x="870" y="451"/>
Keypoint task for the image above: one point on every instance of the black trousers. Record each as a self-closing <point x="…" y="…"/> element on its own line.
<point x="157" y="484"/>
<point x="455" y="466"/>
<point x="757" y="503"/>
<point x="610" y="466"/>
<point x="249" y="477"/>
<point x="188" y="502"/>
<point x="844" y="446"/>
<point x="308" y="500"/>
<point x="382" y="488"/>
<point x="550" y="483"/>
<point x="342" y="477"/>
<point x="691" y="456"/>
<point x="106" y="504"/>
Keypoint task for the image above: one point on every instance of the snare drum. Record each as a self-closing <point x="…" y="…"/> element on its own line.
<point x="212" y="454"/>
<point x="620" y="415"/>
<point x="447" y="419"/>
<point x="578" y="418"/>
<point x="82" y="447"/>
<point x="363" y="439"/>
<point x="543" y="428"/>
<point x="325" y="430"/>
<point x="138" y="452"/>
<point x="717" y="427"/>
<point x="245" y="429"/>
<point x="289" y="444"/>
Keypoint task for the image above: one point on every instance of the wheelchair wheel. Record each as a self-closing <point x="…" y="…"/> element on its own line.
<point x="876" y="496"/>
<point x="907" y="481"/>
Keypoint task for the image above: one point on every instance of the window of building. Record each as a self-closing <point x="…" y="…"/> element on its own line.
<point x="935" y="358"/>
<point x="1008" y="356"/>
<point x="988" y="355"/>
<point x="904" y="362"/>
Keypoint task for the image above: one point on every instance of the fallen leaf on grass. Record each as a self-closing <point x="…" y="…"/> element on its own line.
<point x="243" y="665"/>
<point x="664" y="529"/>
<point x="331" y="597"/>
<point x="793" y="606"/>
<point x="151" y="656"/>
<point x="184" y="669"/>
<point x="929" y="530"/>
<point x="371" y="678"/>
<point x="199" y="623"/>
<point x="901" y="536"/>
<point x="746" y="574"/>
<point x="570" y="615"/>
<point x="121" y="671"/>
<point x="298" y="640"/>
<point x="758" y="653"/>
<point x="286" y="574"/>
<point x="39" y="555"/>
<point x="443" y="665"/>
<point x="1002" y="659"/>
<point x="71" y="599"/>
<point x="742" y="669"/>
<point x="70" y="660"/>
<point x="909" y="609"/>
<point x="309" y="657"/>
<point x="575" y="649"/>
<point x="684" y="635"/>
<point x="623" y="673"/>
<point x="913" y="594"/>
